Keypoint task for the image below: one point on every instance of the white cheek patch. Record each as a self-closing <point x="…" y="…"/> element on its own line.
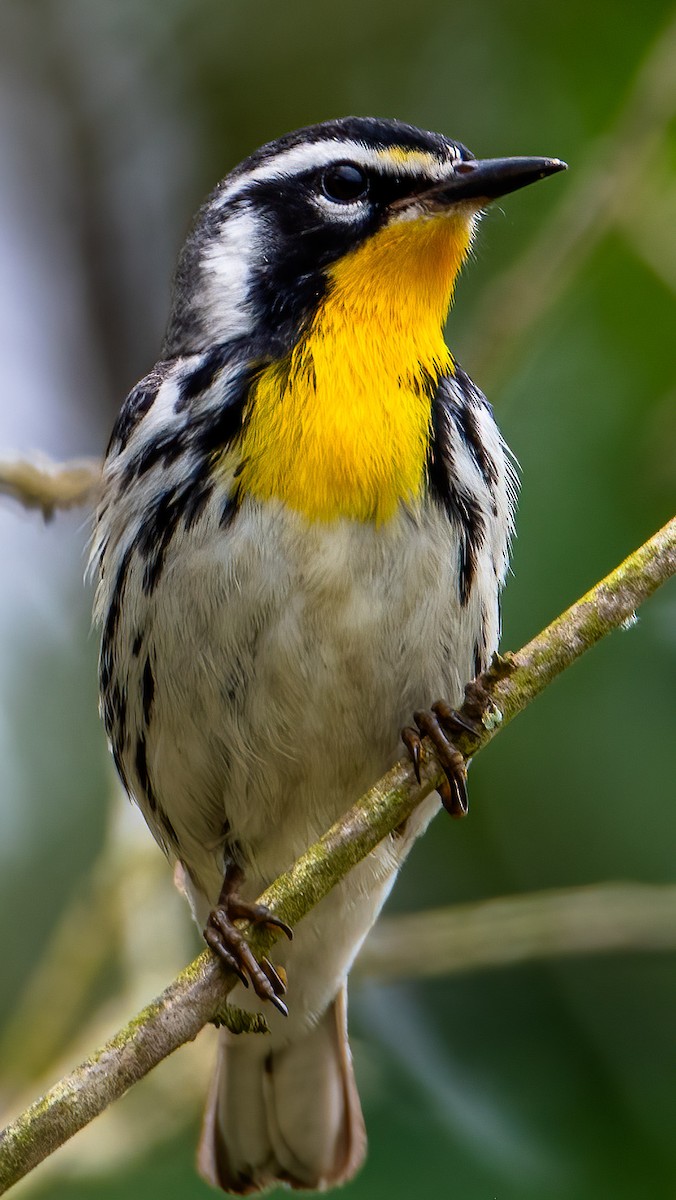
<point x="225" y="266"/>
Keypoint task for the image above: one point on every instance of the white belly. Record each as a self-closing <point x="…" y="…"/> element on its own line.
<point x="286" y="660"/>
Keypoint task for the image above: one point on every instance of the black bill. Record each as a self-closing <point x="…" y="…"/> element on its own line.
<point x="489" y="178"/>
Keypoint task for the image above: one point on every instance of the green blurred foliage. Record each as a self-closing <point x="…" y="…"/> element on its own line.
<point x="553" y="1081"/>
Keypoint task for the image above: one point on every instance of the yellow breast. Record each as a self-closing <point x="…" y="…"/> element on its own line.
<point x="341" y="426"/>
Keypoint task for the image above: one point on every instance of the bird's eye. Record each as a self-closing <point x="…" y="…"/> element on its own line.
<point x="343" y="183"/>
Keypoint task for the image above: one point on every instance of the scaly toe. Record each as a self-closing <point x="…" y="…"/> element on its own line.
<point x="214" y="940"/>
<point x="257" y="914"/>
<point x="477" y="700"/>
<point x="453" y="791"/>
<point x="451" y="720"/>
<point x="229" y="943"/>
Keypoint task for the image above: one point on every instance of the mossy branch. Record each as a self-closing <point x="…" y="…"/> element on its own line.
<point x="199" y="992"/>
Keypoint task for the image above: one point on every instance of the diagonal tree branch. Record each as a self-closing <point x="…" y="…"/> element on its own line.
<point x="198" y="994"/>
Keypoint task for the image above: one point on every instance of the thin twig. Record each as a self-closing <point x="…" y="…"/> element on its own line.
<point x="198" y="994"/>
<point x="601" y="919"/>
<point x="47" y="485"/>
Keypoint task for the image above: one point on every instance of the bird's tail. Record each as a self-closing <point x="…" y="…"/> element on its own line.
<point x="290" y="1116"/>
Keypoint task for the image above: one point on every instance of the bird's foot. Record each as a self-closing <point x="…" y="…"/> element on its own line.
<point x="440" y="723"/>
<point x="229" y="943"/>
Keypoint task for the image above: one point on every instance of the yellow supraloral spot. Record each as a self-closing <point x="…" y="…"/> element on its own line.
<point x="340" y="427"/>
<point x="411" y="160"/>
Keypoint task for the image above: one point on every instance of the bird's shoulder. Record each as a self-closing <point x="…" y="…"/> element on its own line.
<point x="471" y="475"/>
<point x="467" y="453"/>
<point x="192" y="402"/>
<point x="175" y="427"/>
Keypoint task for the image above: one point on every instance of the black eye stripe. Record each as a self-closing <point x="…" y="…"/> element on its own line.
<point x="344" y="182"/>
<point x="286" y="192"/>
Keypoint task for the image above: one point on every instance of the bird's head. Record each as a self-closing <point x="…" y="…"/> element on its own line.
<point x="371" y="211"/>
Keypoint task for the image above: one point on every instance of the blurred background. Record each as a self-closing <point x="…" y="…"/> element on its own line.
<point x="116" y="116"/>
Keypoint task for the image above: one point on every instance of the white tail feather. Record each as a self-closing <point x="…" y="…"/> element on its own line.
<point x="291" y="1115"/>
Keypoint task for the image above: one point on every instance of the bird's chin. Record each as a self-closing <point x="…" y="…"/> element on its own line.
<point x="424" y="208"/>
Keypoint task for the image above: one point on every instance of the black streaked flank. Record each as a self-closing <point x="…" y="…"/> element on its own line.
<point x="184" y="502"/>
<point x="141" y="765"/>
<point x="229" y="511"/>
<point x="113" y="614"/>
<point x="462" y="507"/>
<point x="114" y="713"/>
<point x="168" y="830"/>
<point x="197" y="499"/>
<point x="203" y="377"/>
<point x="107" y="655"/>
<point x="466" y="416"/>
<point x="198" y="437"/>
<point x="163" y="447"/>
<point x="119" y="764"/>
<point x="148" y="688"/>
<point x="155" y="534"/>
<point x="110" y="706"/>
<point x="196" y="489"/>
<point x="119" y="704"/>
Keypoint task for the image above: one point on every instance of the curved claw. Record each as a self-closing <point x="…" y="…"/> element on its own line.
<point x="275" y="978"/>
<point x="454" y="796"/>
<point x="229" y="943"/>
<point x="279" y="1005"/>
<point x="277" y="923"/>
<point x="411" y="739"/>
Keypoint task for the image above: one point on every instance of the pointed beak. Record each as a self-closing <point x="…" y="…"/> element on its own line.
<point x="485" y="179"/>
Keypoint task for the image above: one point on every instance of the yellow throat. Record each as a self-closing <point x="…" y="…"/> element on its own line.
<point x="340" y="427"/>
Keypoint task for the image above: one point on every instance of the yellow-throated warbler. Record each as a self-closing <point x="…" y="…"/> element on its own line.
<point x="302" y="538"/>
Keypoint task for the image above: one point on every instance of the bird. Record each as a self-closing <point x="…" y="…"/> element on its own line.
<point x="301" y="540"/>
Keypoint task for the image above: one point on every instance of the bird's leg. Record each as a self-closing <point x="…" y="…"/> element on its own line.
<point x="229" y="943"/>
<point x="439" y="724"/>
